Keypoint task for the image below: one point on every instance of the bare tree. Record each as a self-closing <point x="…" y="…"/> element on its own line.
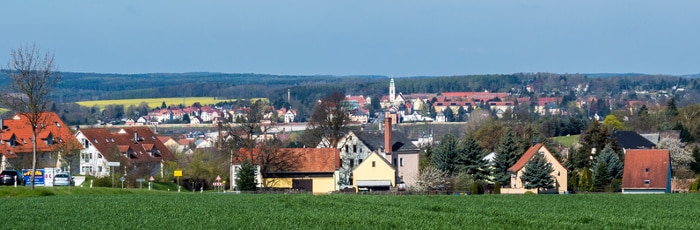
<point x="32" y="78"/>
<point x="328" y="122"/>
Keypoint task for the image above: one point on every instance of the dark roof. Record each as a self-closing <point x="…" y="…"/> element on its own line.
<point x="123" y="141"/>
<point x="375" y="140"/>
<point x="632" y="140"/>
<point x="646" y="164"/>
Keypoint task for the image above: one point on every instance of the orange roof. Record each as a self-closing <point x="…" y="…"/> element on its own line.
<point x="16" y="135"/>
<point x="527" y="156"/>
<point x="307" y="160"/>
<point x="642" y="165"/>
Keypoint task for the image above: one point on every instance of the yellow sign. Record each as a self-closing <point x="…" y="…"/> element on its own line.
<point x="178" y="172"/>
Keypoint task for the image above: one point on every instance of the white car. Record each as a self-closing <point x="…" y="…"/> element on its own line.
<point x="62" y="179"/>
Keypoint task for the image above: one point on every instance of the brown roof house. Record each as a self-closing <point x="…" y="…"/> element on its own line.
<point x="559" y="173"/>
<point x="647" y="171"/>
<point x="54" y="138"/>
<point x="313" y="170"/>
<point x="137" y="150"/>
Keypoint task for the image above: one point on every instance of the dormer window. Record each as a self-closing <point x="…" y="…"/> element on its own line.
<point x="646" y="182"/>
<point x="57" y="124"/>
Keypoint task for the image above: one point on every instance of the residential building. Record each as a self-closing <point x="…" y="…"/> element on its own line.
<point x="137" y="149"/>
<point x="647" y="171"/>
<point x="559" y="172"/>
<point x="313" y="170"/>
<point x="374" y="174"/>
<point x="54" y="141"/>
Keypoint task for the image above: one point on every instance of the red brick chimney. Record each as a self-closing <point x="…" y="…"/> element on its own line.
<point x="387" y="135"/>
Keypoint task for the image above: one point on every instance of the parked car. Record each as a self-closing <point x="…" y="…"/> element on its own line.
<point x="62" y="179"/>
<point x="8" y="177"/>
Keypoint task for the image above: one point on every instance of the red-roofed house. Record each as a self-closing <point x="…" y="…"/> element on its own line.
<point x="559" y="173"/>
<point x="647" y="171"/>
<point x="16" y="146"/>
<point x="136" y="148"/>
<point x="310" y="169"/>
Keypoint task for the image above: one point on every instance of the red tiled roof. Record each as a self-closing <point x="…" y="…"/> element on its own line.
<point x="309" y="159"/>
<point x="123" y="141"/>
<point x="50" y="126"/>
<point x="527" y="156"/>
<point x="163" y="138"/>
<point x="646" y="164"/>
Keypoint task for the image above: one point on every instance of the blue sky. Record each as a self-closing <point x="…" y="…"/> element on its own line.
<point x="393" y="38"/>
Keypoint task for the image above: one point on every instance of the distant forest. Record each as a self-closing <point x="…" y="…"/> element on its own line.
<point x="307" y="89"/>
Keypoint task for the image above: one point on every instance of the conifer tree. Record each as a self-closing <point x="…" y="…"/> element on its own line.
<point x="585" y="182"/>
<point x="445" y="154"/>
<point x="538" y="174"/>
<point x="470" y="159"/>
<point x="506" y="156"/>
<point x="613" y="164"/>
<point x="601" y="176"/>
<point x="246" y="176"/>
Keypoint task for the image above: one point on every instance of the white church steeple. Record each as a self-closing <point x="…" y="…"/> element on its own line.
<point x="392" y="91"/>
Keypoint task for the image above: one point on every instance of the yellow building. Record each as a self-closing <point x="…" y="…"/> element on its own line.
<point x="373" y="174"/>
<point x="313" y="170"/>
<point x="559" y="172"/>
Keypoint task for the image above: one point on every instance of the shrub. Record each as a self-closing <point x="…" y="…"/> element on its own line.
<point x="497" y="188"/>
<point x="694" y="187"/>
<point x="530" y="193"/>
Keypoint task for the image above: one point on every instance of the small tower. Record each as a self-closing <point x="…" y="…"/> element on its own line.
<point x="392" y="91"/>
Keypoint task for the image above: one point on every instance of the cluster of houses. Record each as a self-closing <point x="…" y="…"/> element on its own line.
<point x="362" y="160"/>
<point x="203" y="114"/>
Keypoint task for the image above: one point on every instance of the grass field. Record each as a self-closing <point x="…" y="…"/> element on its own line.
<point x="567" y="140"/>
<point x="157" y="102"/>
<point x="3" y="110"/>
<point x="141" y="209"/>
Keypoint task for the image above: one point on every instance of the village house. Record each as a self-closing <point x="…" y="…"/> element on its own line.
<point x="312" y="170"/>
<point x="395" y="147"/>
<point x="136" y="148"/>
<point x="559" y="172"/>
<point x="647" y="171"/>
<point x="55" y="142"/>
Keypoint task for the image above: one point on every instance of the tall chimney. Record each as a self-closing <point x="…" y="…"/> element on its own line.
<point x="136" y="137"/>
<point x="387" y="135"/>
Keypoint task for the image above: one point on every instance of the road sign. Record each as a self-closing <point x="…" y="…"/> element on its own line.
<point x="218" y="178"/>
<point x="122" y="179"/>
<point x="113" y="163"/>
<point x="178" y="173"/>
<point x="151" y="179"/>
<point x="140" y="180"/>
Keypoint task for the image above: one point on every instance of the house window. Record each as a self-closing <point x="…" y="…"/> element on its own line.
<point x="646" y="170"/>
<point x="99" y="168"/>
<point x="352" y="163"/>
<point x="354" y="148"/>
<point x="346" y="148"/>
<point x="374" y="164"/>
<point x="99" y="155"/>
<point x="360" y="162"/>
<point x="400" y="161"/>
<point x="646" y="181"/>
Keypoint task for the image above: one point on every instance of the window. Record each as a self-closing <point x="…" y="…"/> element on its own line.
<point x="354" y="148"/>
<point x="374" y="164"/>
<point x="646" y="170"/>
<point x="646" y="181"/>
<point x="346" y="148"/>
<point x="360" y="161"/>
<point x="99" y="155"/>
<point x="99" y="168"/>
<point x="400" y="161"/>
<point x="352" y="163"/>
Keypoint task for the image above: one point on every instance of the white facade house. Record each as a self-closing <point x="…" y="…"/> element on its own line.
<point x="91" y="160"/>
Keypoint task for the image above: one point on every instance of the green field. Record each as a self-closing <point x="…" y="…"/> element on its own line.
<point x="157" y="102"/>
<point x="567" y="140"/>
<point x="139" y="209"/>
<point x="4" y="110"/>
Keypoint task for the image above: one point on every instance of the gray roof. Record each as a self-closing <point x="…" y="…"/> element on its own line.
<point x="375" y="140"/>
